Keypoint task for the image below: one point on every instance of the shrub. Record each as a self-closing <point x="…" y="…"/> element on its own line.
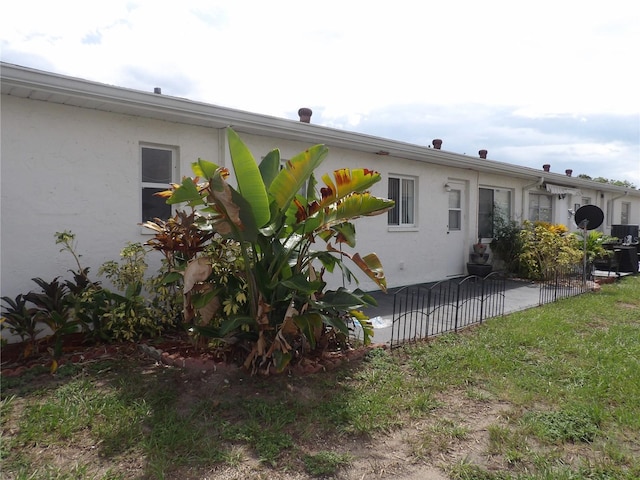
<point x="507" y="243"/>
<point x="545" y="247"/>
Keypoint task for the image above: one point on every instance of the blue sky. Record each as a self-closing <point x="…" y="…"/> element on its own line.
<point x="532" y="82"/>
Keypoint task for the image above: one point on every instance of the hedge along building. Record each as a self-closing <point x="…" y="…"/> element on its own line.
<point x="87" y="157"/>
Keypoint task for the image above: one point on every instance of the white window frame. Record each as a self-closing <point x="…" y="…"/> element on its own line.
<point x="454" y="210"/>
<point x="625" y="213"/>
<point x="156" y="185"/>
<point x="529" y="215"/>
<point x="401" y="207"/>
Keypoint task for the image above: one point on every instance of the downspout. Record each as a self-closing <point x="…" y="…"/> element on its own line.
<point x="610" y="202"/>
<point x="537" y="183"/>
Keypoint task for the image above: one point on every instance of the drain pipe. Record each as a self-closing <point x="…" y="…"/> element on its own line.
<point x="610" y="203"/>
<point x="537" y="183"/>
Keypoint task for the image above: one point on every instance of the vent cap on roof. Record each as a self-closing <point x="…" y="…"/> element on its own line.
<point x="437" y="143"/>
<point x="305" y="114"/>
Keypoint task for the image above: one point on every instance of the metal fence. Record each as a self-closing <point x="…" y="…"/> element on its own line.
<point x="421" y="311"/>
<point x="562" y="282"/>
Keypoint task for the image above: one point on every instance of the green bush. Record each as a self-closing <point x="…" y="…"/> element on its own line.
<point x="546" y="247"/>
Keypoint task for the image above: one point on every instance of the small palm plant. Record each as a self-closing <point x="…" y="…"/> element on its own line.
<point x="594" y="244"/>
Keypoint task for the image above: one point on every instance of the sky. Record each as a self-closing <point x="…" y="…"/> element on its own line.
<point x="554" y="82"/>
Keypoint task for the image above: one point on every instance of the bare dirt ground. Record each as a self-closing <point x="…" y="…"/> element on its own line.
<point x="420" y="450"/>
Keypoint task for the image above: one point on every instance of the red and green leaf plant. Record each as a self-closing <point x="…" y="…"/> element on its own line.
<point x="283" y="310"/>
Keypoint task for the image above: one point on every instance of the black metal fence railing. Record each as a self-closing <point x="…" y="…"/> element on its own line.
<point x="562" y="282"/>
<point x="422" y="311"/>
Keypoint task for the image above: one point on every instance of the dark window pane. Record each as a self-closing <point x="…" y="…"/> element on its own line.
<point x="455" y="222"/>
<point x="154" y="207"/>
<point x="485" y="213"/>
<point x="393" y="216"/>
<point x="407" y="202"/>
<point x="157" y="165"/>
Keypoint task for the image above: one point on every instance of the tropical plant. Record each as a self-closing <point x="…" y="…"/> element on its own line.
<point x="506" y="243"/>
<point x="128" y="274"/>
<point x="545" y="247"/>
<point x="21" y="320"/>
<point x="55" y="309"/>
<point x="287" y="310"/>
<point x="130" y="315"/>
<point x="594" y="244"/>
<point x="67" y="239"/>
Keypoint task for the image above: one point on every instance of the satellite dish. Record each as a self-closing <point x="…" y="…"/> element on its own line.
<point x="589" y="217"/>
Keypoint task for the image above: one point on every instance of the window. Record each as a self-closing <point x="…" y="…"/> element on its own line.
<point x="539" y="207"/>
<point x="455" y="210"/>
<point x="586" y="200"/>
<point x="493" y="203"/>
<point x="158" y="167"/>
<point x="625" y="213"/>
<point x="402" y="191"/>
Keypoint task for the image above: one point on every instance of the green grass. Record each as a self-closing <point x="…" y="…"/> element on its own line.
<point x="566" y="377"/>
<point x="325" y="463"/>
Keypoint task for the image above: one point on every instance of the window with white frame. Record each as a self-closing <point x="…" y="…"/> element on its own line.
<point x="402" y="191"/>
<point x="586" y="200"/>
<point x="493" y="203"/>
<point x="539" y="207"/>
<point x="455" y="209"/>
<point x="625" y="213"/>
<point x="158" y="172"/>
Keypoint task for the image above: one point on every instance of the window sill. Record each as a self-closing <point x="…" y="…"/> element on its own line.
<point x="394" y="228"/>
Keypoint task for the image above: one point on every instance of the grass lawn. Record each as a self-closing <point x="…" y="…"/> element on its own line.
<point x="548" y="393"/>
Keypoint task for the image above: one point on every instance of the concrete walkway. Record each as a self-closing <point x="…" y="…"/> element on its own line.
<point x="519" y="295"/>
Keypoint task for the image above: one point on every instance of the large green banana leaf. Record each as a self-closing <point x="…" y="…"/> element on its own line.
<point x="250" y="183"/>
<point x="295" y="173"/>
<point x="347" y="181"/>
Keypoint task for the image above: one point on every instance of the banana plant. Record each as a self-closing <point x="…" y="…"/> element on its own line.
<point x="277" y="229"/>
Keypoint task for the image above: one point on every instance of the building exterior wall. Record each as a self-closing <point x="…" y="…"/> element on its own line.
<point x="67" y="168"/>
<point x="79" y="169"/>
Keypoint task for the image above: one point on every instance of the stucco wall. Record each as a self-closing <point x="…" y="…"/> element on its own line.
<point x="66" y="168"/>
<point x="69" y="168"/>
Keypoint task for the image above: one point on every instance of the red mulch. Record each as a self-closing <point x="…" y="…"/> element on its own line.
<point x="172" y="350"/>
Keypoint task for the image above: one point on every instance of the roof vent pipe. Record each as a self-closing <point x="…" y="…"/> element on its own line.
<point x="437" y="143"/>
<point x="305" y="115"/>
<point x="483" y="154"/>
<point x="157" y="91"/>
<point x="546" y="167"/>
<point x="568" y="171"/>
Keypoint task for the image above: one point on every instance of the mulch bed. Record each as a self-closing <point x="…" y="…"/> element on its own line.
<point x="172" y="350"/>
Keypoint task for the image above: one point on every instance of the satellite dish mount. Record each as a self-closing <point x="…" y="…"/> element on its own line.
<point x="588" y="217"/>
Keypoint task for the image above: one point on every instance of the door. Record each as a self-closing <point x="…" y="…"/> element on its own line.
<point x="456" y="229"/>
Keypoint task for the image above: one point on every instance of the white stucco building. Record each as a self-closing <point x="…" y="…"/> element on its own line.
<point x="83" y="156"/>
